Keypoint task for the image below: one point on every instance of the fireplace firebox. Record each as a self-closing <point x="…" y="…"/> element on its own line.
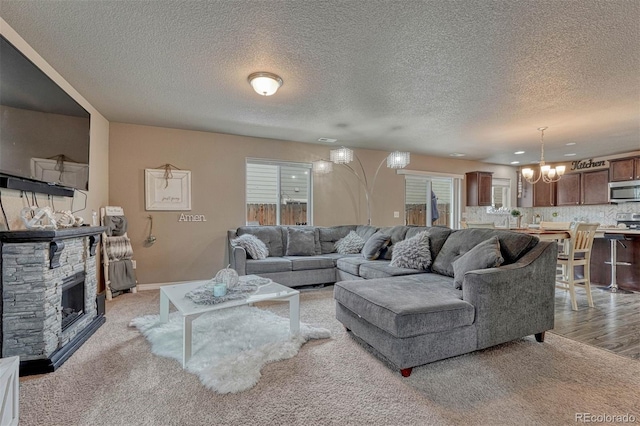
<point x="72" y="299"/>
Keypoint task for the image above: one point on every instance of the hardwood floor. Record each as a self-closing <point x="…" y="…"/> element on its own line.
<point x="613" y="324"/>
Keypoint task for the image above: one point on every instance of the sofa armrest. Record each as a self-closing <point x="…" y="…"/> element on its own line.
<point x="515" y="300"/>
<point x="238" y="260"/>
<point x="237" y="255"/>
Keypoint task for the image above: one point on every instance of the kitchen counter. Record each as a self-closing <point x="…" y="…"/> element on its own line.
<point x="617" y="231"/>
<point x="628" y="253"/>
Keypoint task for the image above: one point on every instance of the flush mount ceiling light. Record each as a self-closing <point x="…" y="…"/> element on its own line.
<point x="547" y="174"/>
<point x="265" y="83"/>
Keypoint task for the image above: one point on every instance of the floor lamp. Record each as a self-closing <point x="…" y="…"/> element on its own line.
<point x="344" y="156"/>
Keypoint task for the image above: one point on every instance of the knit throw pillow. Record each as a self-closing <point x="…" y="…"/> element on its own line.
<point x="352" y="243"/>
<point x="413" y="253"/>
<point x="253" y="245"/>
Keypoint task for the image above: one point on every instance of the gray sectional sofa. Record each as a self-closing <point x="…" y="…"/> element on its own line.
<point x="412" y="317"/>
<point x="318" y="266"/>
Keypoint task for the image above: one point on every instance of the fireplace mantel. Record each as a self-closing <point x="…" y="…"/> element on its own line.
<point x="48" y="235"/>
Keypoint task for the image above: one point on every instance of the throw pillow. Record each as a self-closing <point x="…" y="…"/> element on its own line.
<point x="253" y="245"/>
<point x="301" y="242"/>
<point x="351" y="244"/>
<point x="413" y="253"/>
<point x="374" y="245"/>
<point x="484" y="255"/>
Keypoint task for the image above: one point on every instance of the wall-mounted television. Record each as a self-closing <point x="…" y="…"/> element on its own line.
<point x="44" y="132"/>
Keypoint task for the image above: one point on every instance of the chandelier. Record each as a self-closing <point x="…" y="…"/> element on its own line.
<point x="546" y="173"/>
<point x="344" y="156"/>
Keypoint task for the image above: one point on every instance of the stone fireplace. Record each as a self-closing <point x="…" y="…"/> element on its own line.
<point x="49" y="303"/>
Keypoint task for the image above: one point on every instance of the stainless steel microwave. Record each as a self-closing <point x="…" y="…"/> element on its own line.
<point x="623" y="192"/>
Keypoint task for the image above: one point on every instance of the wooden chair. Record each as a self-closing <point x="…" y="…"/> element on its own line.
<point x="578" y="254"/>
<point x="558" y="226"/>
<point x="491" y="225"/>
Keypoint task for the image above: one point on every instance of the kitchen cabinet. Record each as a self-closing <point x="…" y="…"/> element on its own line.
<point x="544" y="194"/>
<point x="568" y="188"/>
<point x="595" y="187"/>
<point x="624" y="169"/>
<point x="479" y="188"/>
<point x="540" y="194"/>
<point x="583" y="188"/>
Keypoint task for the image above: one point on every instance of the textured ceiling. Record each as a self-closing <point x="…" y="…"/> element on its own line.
<point x="432" y="77"/>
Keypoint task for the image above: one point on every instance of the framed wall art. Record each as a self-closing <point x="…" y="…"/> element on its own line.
<point x="167" y="189"/>
<point x="65" y="173"/>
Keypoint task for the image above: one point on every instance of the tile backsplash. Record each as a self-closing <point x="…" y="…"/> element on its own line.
<point x="604" y="214"/>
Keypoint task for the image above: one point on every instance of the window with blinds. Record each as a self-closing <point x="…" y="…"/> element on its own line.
<point x="501" y="193"/>
<point x="278" y="193"/>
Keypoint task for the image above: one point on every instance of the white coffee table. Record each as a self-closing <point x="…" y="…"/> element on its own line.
<point x="174" y="293"/>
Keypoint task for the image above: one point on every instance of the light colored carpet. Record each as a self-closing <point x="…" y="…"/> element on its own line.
<point x="230" y="346"/>
<point x="114" y="379"/>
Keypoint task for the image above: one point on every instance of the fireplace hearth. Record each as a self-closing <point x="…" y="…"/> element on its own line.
<point x="49" y="301"/>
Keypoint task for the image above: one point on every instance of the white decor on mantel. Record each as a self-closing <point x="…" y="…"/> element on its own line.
<point x="230" y="346"/>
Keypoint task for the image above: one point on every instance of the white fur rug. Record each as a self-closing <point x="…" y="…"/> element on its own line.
<point x="230" y="346"/>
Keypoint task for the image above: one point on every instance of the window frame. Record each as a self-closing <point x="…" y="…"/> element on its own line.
<point x="456" y="192"/>
<point x="501" y="183"/>
<point x="279" y="164"/>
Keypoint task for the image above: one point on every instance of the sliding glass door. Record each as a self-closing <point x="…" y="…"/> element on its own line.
<point x="431" y="200"/>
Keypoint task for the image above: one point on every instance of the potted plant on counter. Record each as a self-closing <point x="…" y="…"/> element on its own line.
<point x="518" y="215"/>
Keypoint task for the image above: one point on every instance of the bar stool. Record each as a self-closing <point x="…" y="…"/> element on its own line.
<point x="614" y="240"/>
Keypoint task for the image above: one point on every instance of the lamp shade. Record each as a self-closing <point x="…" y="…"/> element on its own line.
<point x="341" y="155"/>
<point x="265" y="83"/>
<point x="322" y="166"/>
<point x="398" y="160"/>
